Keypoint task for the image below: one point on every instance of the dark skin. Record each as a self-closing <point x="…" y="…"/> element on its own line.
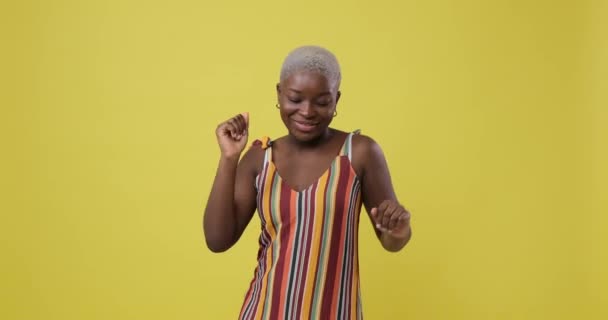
<point x="307" y="103"/>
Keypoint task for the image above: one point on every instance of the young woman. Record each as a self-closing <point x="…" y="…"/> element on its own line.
<point x="308" y="188"/>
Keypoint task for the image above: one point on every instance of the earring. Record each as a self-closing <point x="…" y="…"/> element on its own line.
<point x="278" y="106"/>
<point x="335" y="113"/>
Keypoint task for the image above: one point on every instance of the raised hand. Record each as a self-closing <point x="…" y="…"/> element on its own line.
<point x="232" y="135"/>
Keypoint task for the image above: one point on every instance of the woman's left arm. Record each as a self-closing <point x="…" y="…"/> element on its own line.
<point x="390" y="219"/>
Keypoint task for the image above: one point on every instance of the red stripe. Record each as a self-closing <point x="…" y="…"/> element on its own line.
<point x="285" y="227"/>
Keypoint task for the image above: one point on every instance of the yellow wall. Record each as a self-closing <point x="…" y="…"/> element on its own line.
<point x="492" y="114"/>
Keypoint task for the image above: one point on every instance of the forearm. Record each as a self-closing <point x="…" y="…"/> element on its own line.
<point x="219" y="222"/>
<point x="395" y="243"/>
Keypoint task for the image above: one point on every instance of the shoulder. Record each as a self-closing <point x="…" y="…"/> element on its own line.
<point x="366" y="154"/>
<point x="253" y="159"/>
<point x="364" y="146"/>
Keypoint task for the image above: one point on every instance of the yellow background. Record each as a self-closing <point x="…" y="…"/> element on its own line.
<point x="492" y="114"/>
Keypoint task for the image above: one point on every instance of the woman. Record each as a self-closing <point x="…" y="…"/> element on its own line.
<point x="307" y="187"/>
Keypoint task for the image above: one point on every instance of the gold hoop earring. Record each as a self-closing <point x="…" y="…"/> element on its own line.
<point x="335" y="113"/>
<point x="278" y="106"/>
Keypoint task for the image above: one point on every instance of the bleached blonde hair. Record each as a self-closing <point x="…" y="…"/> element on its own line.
<point x="312" y="59"/>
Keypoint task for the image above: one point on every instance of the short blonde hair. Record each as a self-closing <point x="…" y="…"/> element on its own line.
<point x="313" y="59"/>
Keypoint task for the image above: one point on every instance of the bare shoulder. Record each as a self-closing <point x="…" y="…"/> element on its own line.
<point x="364" y="145"/>
<point x="365" y="151"/>
<point x="253" y="159"/>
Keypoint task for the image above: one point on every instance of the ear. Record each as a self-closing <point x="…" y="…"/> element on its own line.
<point x="278" y="91"/>
<point x="338" y="96"/>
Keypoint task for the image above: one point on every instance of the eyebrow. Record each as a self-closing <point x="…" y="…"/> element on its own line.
<point x="321" y="94"/>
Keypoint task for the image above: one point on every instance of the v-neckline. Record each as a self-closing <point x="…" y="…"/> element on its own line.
<point x="314" y="183"/>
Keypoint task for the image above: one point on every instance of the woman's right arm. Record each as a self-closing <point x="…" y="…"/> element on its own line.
<point x="232" y="200"/>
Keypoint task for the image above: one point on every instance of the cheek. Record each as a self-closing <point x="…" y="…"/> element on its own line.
<point x="288" y="109"/>
<point x="329" y="113"/>
<point x="284" y="115"/>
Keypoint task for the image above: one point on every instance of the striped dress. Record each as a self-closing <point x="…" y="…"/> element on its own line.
<point x="308" y="265"/>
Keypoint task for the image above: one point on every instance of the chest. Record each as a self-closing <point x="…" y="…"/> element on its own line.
<point x="310" y="197"/>
<point x="300" y="171"/>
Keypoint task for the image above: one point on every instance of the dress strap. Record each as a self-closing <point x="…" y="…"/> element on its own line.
<point x="265" y="143"/>
<point x="348" y="145"/>
<point x="267" y="155"/>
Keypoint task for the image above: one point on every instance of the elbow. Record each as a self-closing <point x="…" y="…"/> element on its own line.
<point x="217" y="244"/>
<point x="216" y="248"/>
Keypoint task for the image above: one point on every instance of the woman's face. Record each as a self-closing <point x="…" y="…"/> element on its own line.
<point x="308" y="101"/>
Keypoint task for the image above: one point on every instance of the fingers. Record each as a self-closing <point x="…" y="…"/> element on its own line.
<point x="380" y="215"/>
<point x="241" y="122"/>
<point x="392" y="223"/>
<point x="245" y="116"/>
<point x="402" y="222"/>
<point x="236" y="127"/>
<point x="377" y="218"/>
<point x="239" y="126"/>
<point x="390" y="216"/>
<point x="374" y="214"/>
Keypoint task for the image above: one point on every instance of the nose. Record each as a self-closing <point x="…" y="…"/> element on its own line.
<point x="307" y="109"/>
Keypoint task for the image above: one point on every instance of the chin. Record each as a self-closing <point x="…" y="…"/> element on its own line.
<point x="306" y="136"/>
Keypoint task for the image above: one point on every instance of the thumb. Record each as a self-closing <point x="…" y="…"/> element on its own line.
<point x="374" y="212"/>
<point x="246" y="116"/>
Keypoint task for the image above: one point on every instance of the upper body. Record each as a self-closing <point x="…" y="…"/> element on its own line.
<point x="300" y="167"/>
<point x="308" y="94"/>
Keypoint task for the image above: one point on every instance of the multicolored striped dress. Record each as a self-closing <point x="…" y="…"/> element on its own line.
<point x="308" y="265"/>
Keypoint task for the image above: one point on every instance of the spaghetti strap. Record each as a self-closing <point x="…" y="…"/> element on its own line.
<point x="348" y="145"/>
<point x="265" y="143"/>
<point x="267" y="155"/>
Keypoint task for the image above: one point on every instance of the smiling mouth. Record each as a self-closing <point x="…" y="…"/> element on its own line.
<point x="305" y="126"/>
